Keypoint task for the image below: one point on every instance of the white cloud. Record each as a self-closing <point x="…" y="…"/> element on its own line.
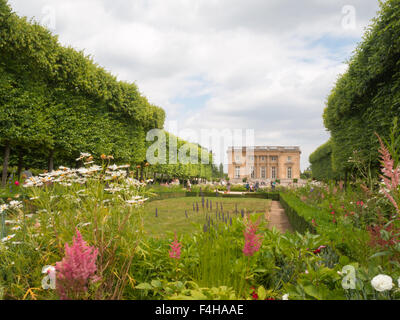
<point x="266" y="65"/>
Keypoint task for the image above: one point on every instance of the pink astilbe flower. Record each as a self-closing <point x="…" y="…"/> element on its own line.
<point x="252" y="241"/>
<point x="175" y="252"/>
<point x="77" y="269"/>
<point x="390" y="175"/>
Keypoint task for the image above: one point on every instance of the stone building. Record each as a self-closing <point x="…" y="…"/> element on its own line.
<point x="263" y="164"/>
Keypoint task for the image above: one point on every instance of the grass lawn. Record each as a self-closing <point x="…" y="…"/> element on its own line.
<point x="172" y="217"/>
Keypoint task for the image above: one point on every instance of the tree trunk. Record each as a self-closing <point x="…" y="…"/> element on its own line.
<point x="51" y="162"/>
<point x="20" y="164"/>
<point x="5" y="165"/>
<point x="141" y="174"/>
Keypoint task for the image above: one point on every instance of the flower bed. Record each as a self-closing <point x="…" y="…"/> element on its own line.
<point x="93" y="215"/>
<point x="343" y="235"/>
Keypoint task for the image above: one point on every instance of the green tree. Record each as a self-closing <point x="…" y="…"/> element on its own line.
<point x="367" y="97"/>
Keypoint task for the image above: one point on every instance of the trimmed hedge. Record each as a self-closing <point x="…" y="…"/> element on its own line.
<point x="298" y="213"/>
<point x="366" y="97"/>
<point x="347" y="239"/>
<point x="259" y="195"/>
<point x="321" y="163"/>
<point x="167" y="195"/>
<point x="266" y="195"/>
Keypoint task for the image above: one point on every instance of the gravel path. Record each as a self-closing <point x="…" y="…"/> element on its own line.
<point x="277" y="218"/>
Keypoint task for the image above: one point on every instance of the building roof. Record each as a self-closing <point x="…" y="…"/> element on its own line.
<point x="267" y="148"/>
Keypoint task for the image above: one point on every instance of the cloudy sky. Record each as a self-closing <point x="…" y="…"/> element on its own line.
<point x="266" y="65"/>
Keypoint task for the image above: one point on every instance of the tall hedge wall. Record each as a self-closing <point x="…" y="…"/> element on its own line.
<point x="56" y="102"/>
<point x="367" y="97"/>
<point x="321" y="163"/>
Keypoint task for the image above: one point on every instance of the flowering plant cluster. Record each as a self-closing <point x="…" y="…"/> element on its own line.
<point x="77" y="269"/>
<point x="116" y="178"/>
<point x="252" y="240"/>
<point x="175" y="252"/>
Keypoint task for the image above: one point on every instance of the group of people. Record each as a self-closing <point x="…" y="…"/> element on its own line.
<point x="252" y="187"/>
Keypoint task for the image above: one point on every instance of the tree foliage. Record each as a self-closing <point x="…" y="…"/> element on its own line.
<point x="367" y="97"/>
<point x="321" y="163"/>
<point x="56" y="102"/>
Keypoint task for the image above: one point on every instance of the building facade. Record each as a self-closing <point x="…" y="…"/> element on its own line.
<point x="263" y="164"/>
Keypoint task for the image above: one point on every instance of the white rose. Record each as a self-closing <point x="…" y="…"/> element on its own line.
<point x="382" y="283"/>
<point x="285" y="296"/>
<point x="398" y="281"/>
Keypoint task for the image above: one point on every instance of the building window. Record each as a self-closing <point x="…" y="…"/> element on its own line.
<point x="251" y="158"/>
<point x="289" y="173"/>
<point x="262" y="173"/>
<point x="237" y="158"/>
<point x="262" y="158"/>
<point x="274" y="158"/>
<point x="289" y="158"/>
<point x="252" y="173"/>
<point x="237" y="172"/>
<point x="273" y="173"/>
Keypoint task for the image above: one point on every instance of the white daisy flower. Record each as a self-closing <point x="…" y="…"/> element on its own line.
<point x="9" y="237"/>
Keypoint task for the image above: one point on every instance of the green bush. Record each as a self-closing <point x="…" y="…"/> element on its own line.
<point x="238" y="188"/>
